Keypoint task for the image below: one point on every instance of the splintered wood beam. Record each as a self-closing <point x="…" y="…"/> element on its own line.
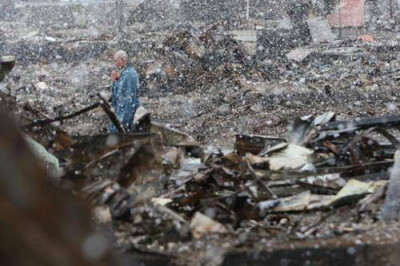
<point x="39" y="123"/>
<point x="111" y="114"/>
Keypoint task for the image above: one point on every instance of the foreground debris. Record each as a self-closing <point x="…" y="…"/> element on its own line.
<point x="275" y="192"/>
<point x="34" y="219"/>
<point x="162" y="193"/>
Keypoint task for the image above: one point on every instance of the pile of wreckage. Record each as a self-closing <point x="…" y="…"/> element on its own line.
<point x="162" y="194"/>
<point x="184" y="61"/>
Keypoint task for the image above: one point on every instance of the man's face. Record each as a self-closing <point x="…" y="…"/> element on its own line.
<point x="119" y="62"/>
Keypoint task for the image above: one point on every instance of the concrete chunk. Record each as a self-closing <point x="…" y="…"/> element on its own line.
<point x="299" y="54"/>
<point x="320" y="30"/>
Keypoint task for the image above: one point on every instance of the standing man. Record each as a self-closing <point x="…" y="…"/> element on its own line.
<point x="125" y="99"/>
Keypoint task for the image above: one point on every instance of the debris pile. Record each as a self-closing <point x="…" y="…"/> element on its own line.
<point x="163" y="194"/>
<point x="185" y="61"/>
<point x="322" y="182"/>
<point x="155" y="10"/>
<point x="267" y="188"/>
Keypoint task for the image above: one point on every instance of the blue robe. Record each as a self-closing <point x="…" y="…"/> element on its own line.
<point x="125" y="99"/>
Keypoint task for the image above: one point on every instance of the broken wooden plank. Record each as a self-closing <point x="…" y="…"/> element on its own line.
<point x="111" y="114"/>
<point x="254" y="144"/>
<point x="39" y="123"/>
<point x="173" y="137"/>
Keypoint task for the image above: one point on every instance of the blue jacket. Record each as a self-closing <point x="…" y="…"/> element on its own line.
<point x="125" y="98"/>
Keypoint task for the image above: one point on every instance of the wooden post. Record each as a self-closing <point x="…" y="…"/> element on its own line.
<point x="247" y="9"/>
<point x="340" y="19"/>
<point x="119" y="6"/>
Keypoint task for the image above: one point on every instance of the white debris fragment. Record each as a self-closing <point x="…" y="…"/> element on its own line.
<point x="291" y="157"/>
<point x="161" y="201"/>
<point x="31" y="35"/>
<point x="47" y="159"/>
<point x="102" y="214"/>
<point x="202" y="225"/>
<point x="50" y="39"/>
<point x="299" y="54"/>
<point x="41" y="86"/>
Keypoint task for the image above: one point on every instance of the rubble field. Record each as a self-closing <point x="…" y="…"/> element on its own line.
<point x="244" y="153"/>
<point x="352" y="78"/>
